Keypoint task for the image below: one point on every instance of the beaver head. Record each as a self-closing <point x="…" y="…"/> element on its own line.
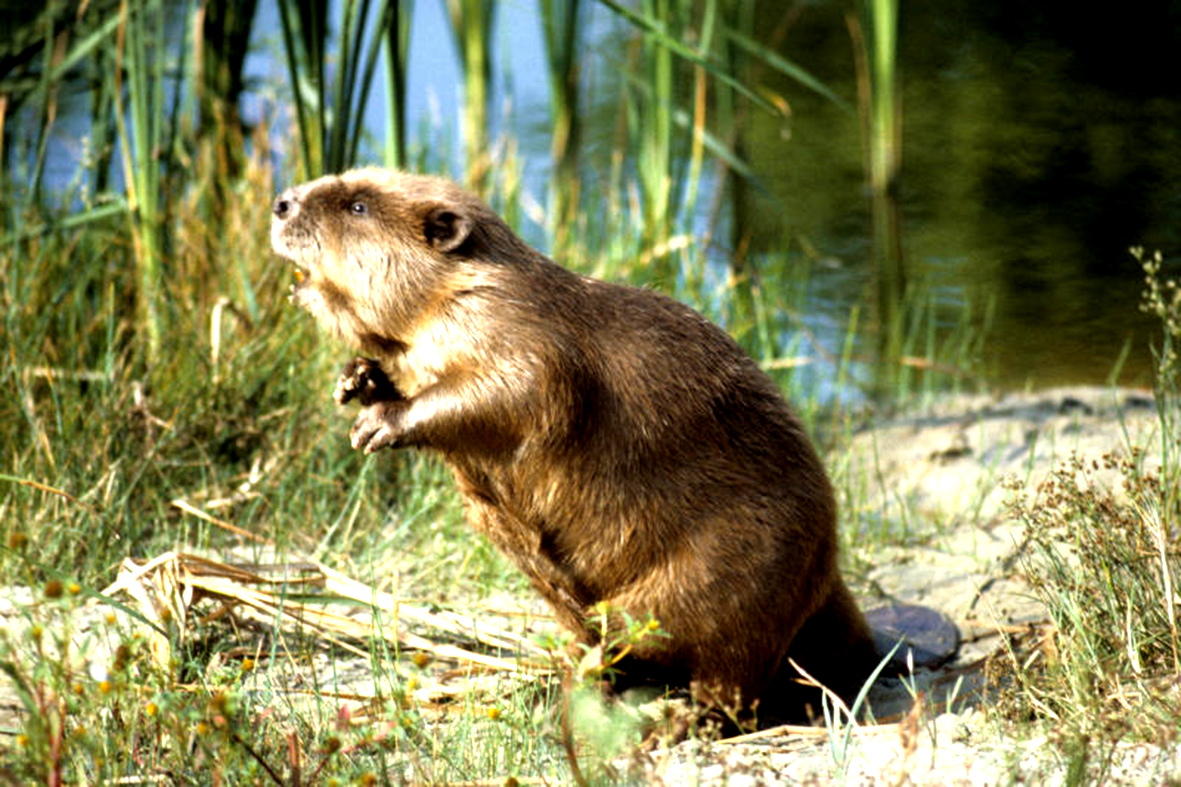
<point x="376" y="250"/>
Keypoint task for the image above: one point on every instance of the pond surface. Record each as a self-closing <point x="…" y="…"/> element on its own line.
<point x="1039" y="145"/>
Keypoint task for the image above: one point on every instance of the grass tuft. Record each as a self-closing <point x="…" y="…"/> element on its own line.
<point x="1105" y="562"/>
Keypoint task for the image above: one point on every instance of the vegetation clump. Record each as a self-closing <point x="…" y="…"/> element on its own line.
<point x="1105" y="561"/>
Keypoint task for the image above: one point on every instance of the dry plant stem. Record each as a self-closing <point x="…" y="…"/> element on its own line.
<point x="293" y="758"/>
<point x="167" y="585"/>
<point x="568" y="734"/>
<point x="1161" y="536"/>
<point x="189" y="508"/>
<point x="236" y="738"/>
<point x="500" y="781"/>
<point x="46" y="488"/>
<point x="805" y="731"/>
<point x="908" y="734"/>
<point x="808" y="680"/>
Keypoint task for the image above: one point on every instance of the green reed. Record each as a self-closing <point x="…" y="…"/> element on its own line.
<point x="85" y="295"/>
<point x="146" y="127"/>
<point x="560" y="22"/>
<point x="395" y="52"/>
<point x="330" y="109"/>
<point x="1102" y="557"/>
<point x="875" y="40"/>
<point x="471" y="21"/>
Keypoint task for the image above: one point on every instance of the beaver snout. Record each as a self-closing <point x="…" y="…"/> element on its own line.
<point x="286" y="205"/>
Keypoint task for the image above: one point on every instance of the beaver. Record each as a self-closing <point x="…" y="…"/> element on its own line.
<point x="614" y="443"/>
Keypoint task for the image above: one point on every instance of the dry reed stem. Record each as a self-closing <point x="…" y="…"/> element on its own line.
<point x="166" y="587"/>
<point x="189" y="508"/>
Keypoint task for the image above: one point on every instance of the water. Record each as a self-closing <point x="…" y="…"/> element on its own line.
<point x="1038" y="147"/>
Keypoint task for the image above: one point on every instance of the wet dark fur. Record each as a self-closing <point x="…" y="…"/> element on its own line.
<point x="614" y="443"/>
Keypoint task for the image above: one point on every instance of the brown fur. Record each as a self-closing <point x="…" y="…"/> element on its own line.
<point x="614" y="443"/>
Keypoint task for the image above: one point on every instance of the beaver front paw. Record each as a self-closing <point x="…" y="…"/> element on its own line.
<point x="363" y="379"/>
<point x="378" y="425"/>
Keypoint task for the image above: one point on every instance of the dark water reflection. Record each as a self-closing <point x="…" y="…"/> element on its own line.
<point x="1039" y="144"/>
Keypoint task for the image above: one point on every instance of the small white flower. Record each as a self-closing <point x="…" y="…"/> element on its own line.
<point x="99" y="672"/>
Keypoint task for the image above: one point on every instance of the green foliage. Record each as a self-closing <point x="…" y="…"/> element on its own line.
<point x="1162" y="299"/>
<point x="561" y="22"/>
<point x="1106" y="562"/>
<point x="330" y="110"/>
<point x="395" y="51"/>
<point x="471" y="21"/>
<point x="99" y="706"/>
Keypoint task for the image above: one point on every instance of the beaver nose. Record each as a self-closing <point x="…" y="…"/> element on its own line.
<point x="285" y="205"/>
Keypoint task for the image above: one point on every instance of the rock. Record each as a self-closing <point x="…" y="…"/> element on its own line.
<point x="925" y="637"/>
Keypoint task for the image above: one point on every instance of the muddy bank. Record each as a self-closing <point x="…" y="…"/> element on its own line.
<point x="941" y="482"/>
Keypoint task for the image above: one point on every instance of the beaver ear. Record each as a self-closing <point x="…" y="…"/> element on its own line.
<point x="447" y="227"/>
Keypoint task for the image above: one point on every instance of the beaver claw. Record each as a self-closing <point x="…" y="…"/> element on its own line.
<point x="363" y="379"/>
<point x="378" y="425"/>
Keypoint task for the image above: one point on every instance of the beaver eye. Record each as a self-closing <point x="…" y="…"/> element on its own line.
<point x="358" y="208"/>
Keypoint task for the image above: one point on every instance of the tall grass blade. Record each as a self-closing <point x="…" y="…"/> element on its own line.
<point x="784" y="66"/>
<point x="471" y="22"/>
<point x="116" y="207"/>
<point x="302" y="26"/>
<point x="331" y="116"/>
<point x="48" y="93"/>
<point x="652" y="24"/>
<point x="697" y="147"/>
<point x="346" y="67"/>
<point x="560" y="21"/>
<point x="222" y="31"/>
<point x="876" y="64"/>
<point x="389" y="22"/>
<point x="141" y="48"/>
<point x="394" y="51"/>
<point x="654" y="158"/>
